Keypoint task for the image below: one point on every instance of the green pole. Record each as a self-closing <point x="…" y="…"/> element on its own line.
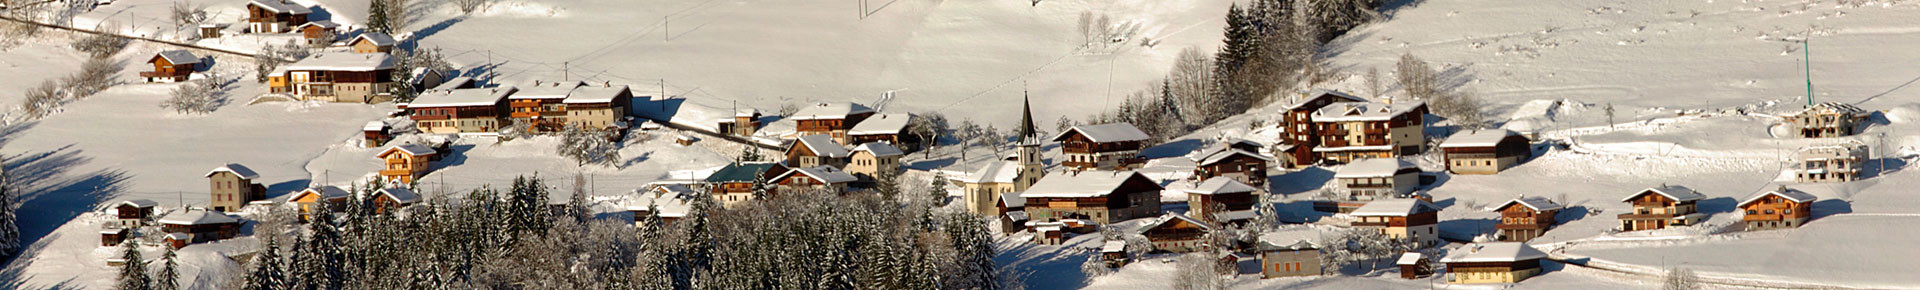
<point x="1807" y="61"/>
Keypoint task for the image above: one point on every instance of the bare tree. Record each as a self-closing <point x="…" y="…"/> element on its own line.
<point x="1461" y="108"/>
<point x="469" y="6"/>
<point x="1373" y="84"/>
<point x="1191" y="82"/>
<point x="1198" y="271"/>
<point x="1416" y="77"/>
<point x="43" y="100"/>
<point x="184" y="14"/>
<point x="1681" y="279"/>
<point x="100" y="45"/>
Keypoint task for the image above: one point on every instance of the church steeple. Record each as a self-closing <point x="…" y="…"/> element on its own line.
<point x="1028" y="136"/>
<point x="1031" y="167"/>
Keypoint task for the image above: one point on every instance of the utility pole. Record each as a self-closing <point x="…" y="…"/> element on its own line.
<point x="1806" y="59"/>
<point x="566" y="70"/>
<point x="666" y="31"/>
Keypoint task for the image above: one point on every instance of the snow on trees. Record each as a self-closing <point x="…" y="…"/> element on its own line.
<point x="268" y="272"/>
<point x="169" y="276"/>
<point x="1678" y="278"/>
<point x="9" y="226"/>
<point x="133" y="271"/>
<point x="1198" y="271"/>
<point x="589" y="146"/>
<point x="199" y="96"/>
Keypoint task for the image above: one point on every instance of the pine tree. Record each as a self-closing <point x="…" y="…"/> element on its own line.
<point x="377" y="18"/>
<point x="268" y="272"/>
<point x="937" y="192"/>
<point x="749" y="153"/>
<point x="133" y="274"/>
<point x="169" y="276"/>
<point x="762" y="190"/>
<point x="9" y="228"/>
<point x="697" y="258"/>
<point x="888" y="184"/>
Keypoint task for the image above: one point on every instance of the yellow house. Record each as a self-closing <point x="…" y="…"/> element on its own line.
<point x="873" y="158"/>
<point x="308" y="200"/>
<point x="371" y="42"/>
<point x="405" y="162"/>
<point x="1493" y="263"/>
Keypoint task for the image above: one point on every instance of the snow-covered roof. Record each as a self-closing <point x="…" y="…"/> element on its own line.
<point x="879" y="149"/>
<point x="1533" y="202"/>
<point x="1410" y="258"/>
<point x="1494" y="252"/>
<point x="1168" y="217"/>
<point x="669" y="205"/>
<point x="1675" y="192"/>
<point x="1084" y="184"/>
<point x="178" y="236"/>
<point x="1220" y="153"/>
<point x="1794" y="195"/>
<point x="1317" y="93"/>
<point x="838" y="110"/>
<point x="325" y="192"/>
<point x="321" y="24"/>
<point x="139" y="203"/>
<point x="377" y="38"/>
<point x="1477" y="138"/>
<point x="343" y="62"/>
<point x="558" y="90"/>
<point x="278" y="6"/>
<point x="1017" y="215"/>
<point x="374" y="126"/>
<point x="1237" y="215"/>
<point x="749" y="112"/>
<point x="399" y="194"/>
<point x="1373" y="167"/>
<point x="1114" y="247"/>
<point x="236" y="169"/>
<point x="823" y="145"/>
<point x="1363" y="111"/>
<point x="881" y="124"/>
<point x="462" y="97"/>
<point x="740" y="172"/>
<point x="824" y="174"/>
<point x="112" y="231"/>
<point x="1012" y="200"/>
<point x="1352" y="148"/>
<point x="596" y="95"/>
<point x="1103" y="133"/>
<point x="1002" y="171"/>
<point x="1395" y="207"/>
<point x="1221" y="184"/>
<point x="408" y="148"/>
<point x="197" y="217"/>
<point x="179" y="57"/>
<point x="1836" y="107"/>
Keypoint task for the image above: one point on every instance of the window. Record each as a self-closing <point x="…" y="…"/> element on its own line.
<point x="1751" y="212"/>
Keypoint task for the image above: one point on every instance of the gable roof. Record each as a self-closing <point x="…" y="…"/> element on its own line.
<point x="1395" y="207"/>
<point x="320" y="23"/>
<point x="177" y="57"/>
<point x="1114" y="247"/>
<point x="881" y="124"/>
<point x="825" y="174"/>
<point x="596" y="95"/>
<point x="835" y="110"/>
<point x="408" y="148"/>
<point x="1674" y="192"/>
<point x="1169" y="217"/>
<point x="377" y="38"/>
<point x="325" y="192"/>
<point x="880" y="149"/>
<point x="555" y="90"/>
<point x="669" y="205"/>
<point x="1221" y="153"/>
<point x="822" y="145"/>
<point x="1363" y="111"/>
<point x="1373" y="167"/>
<point x="1086" y="184"/>
<point x="1835" y="107"/>
<point x="462" y="97"/>
<point x="1478" y="138"/>
<point x="1536" y="203"/>
<point x="1494" y="252"/>
<point x="197" y="217"/>
<point x="1337" y="96"/>
<point x="1012" y="199"/>
<point x="1221" y="184"/>
<point x="1103" y="133"/>
<point x="1002" y="171"/>
<point x="740" y="172"/>
<point x="278" y="6"/>
<point x="238" y="170"/>
<point x="1409" y="258"/>
<point x="1794" y="195"/>
<point x="344" y="62"/>
<point x="399" y="194"/>
<point x="139" y="203"/>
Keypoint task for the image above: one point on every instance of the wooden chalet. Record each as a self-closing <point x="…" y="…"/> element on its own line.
<point x="372" y="42"/>
<point x="200" y="225"/>
<point x="744" y="123"/>
<point x="1828" y="120"/>
<point x="670" y="202"/>
<point x="404" y="163"/>
<point x="1352" y="131"/>
<point x="1525" y="218"/>
<point x="1485" y="151"/>
<point x="342" y="77"/>
<point x="603" y="107"/>
<point x="133" y="213"/>
<point x="1114" y="253"/>
<point x="870" y="160"/>
<point x="461" y="110"/>
<point x="1490" y="263"/>
<point x="1414" y="265"/>
<point x="1298" y="258"/>
<point x="232" y="187"/>
<point x="328" y="197"/>
<point x="1102" y="197"/>
<point x="818" y="178"/>
<point x="1412" y="219"/>
<point x="733" y="184"/>
<point x="171" y="66"/>
<point x="1782" y="208"/>
<point x="1301" y="133"/>
<point x="542" y="106"/>
<point x="275" y="16"/>
<point x="1013" y="212"/>
<point x="318" y="32"/>
<point x="1662" y="207"/>
<point x="832" y="119"/>
<point x="1371" y="179"/>
<point x="1114" y="146"/>
<point x="113" y="236"/>
<point x="375" y="134"/>
<point x="1232" y="160"/>
<point x="890" y="128"/>
<point x="1177" y="233"/>
<point x="392" y="199"/>
<point x="816" y="150"/>
<point x="1224" y="200"/>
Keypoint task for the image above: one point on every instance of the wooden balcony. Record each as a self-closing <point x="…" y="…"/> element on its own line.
<point x="1630" y="216"/>
<point x="395" y="172"/>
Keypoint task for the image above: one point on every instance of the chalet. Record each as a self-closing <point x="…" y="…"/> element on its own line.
<point x="1414" y="265"/>
<point x="212" y="30"/>
<point x="1661" y="207"/>
<point x="1224" y="200"/>
<point x="890" y="128"/>
<point x="375" y="134"/>
<point x="425" y="78"/>
<point x="1295" y="258"/>
<point x="1831" y="163"/>
<point x="1102" y="197"/>
<point x="1246" y="166"/>
<point x="318" y="32"/>
<point x="1013" y="212"/>
<point x="1114" y="253"/>
<point x="1376" y="178"/>
<point x="671" y="204"/>
<point x="1048" y="235"/>
<point x="405" y="163"/>
<point x="113" y="236"/>
<point x="541" y="106"/>
<point x="988" y="185"/>
<point x="872" y="159"/>
<point x="328" y="197"/>
<point x="816" y="150"/>
<point x="392" y="199"/>
<point x="1412" y="219"/>
<point x="598" y="107"/>
<point x="1177" y="233"/>
<point x="133" y="213"/>
<point x="275" y="16"/>
<point x="1114" y="146"/>
<point x="1487" y="263"/>
<point x="1827" y="120"/>
<point x="818" y="178"/>
<point x="201" y="225"/>
<point x="371" y="42"/>
<point x="338" y="77"/>
<point x="232" y="187"/>
<point x="1525" y="218"/>
<point x="744" y="123"/>
<point x="176" y="240"/>
<point x="1782" y="208"/>
<point x="461" y="110"/>
<point x="733" y="184"/>
<point x="1353" y="131"/>
<point x="1301" y="133"/>
<point x="1485" y="151"/>
<point x="832" y="119"/>
<point x="171" y="66"/>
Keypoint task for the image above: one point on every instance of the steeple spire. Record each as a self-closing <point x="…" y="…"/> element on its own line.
<point x="1028" y="136"/>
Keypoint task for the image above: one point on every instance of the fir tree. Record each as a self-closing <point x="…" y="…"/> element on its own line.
<point x="169" y="276"/>
<point x="377" y="18"/>
<point x="937" y="192"/>
<point x="696" y="259"/>
<point x="268" y="272"/>
<point x="888" y="184"/>
<point x="9" y="228"/>
<point x="133" y="274"/>
<point x="762" y="190"/>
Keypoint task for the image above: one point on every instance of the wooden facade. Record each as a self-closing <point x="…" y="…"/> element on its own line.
<point x="1300" y="131"/>
<point x="1652" y="211"/>
<point x="1083" y="153"/>
<point x="1243" y="165"/>
<point x="1487" y="158"/>
<point x="1783" y="209"/>
<point x="1137" y="198"/>
<point x="404" y="165"/>
<point x="261" y="19"/>
<point x="1492" y="272"/>
<point x="166" y="70"/>
<point x="1178" y="234"/>
<point x="1520" y="223"/>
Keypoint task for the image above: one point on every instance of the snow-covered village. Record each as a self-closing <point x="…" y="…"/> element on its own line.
<point x="959" y="144"/>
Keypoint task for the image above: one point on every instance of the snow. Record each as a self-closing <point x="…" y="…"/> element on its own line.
<point x="1395" y="207"/>
<point x="1317" y="93"/>
<point x="326" y="192"/>
<point x="1477" y="138"/>
<point x="880" y="149"/>
<point x="324" y="24"/>
<point x="1220" y="153"/>
<point x="197" y="217"/>
<point x="595" y="95"/>
<point x="377" y="38"/>
<point x="1105" y="133"/>
<point x="374" y="126"/>
<point x="1674" y="192"/>
<point x="401" y="195"/>
<point x="340" y="61"/>
<point x="1373" y="167"/>
<point x="179" y="57"/>
<point x="1784" y="192"/>
<point x="1363" y="111"/>
<point x="1079" y="185"/>
<point x="1536" y="203"/>
<point x="1493" y="252"/>
<point x="238" y="170"/>
<point x="552" y="90"/>
<point x="462" y="97"/>
<point x="823" y="145"/>
<point x="140" y="203"/>
<point x="824" y="174"/>
<point x="832" y="110"/>
<point x="891" y="123"/>
<point x="1410" y="258"/>
<point x="279" y="6"/>
<point x="1221" y="184"/>
<point x="408" y="148"/>
<point x="1114" y="247"/>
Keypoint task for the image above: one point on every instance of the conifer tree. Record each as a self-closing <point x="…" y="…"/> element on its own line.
<point x="9" y="228"/>
<point x="169" y="276"/>
<point x="377" y="18"/>
<point x="133" y="274"/>
<point x="762" y="190"/>
<point x="268" y="271"/>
